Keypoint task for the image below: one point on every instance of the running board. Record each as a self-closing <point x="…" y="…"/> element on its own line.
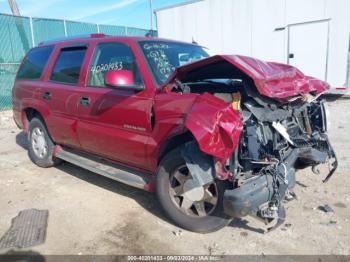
<point x="105" y="168"/>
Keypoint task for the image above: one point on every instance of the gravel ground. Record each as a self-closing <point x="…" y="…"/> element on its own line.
<point x="89" y="214"/>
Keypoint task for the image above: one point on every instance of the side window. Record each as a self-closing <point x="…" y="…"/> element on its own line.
<point x="34" y="63"/>
<point x="111" y="56"/>
<point x="68" y="65"/>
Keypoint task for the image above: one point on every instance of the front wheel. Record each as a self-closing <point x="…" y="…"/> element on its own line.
<point x="198" y="209"/>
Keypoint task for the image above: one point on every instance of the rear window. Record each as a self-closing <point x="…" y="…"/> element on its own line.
<point x="68" y="65"/>
<point x="34" y="63"/>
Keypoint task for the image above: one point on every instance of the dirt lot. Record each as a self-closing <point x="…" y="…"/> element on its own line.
<point x="89" y="214"/>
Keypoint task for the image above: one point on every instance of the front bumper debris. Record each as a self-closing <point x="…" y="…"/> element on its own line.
<point x="261" y="195"/>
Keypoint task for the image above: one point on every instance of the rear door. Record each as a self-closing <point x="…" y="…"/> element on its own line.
<point x="114" y="122"/>
<point x="308" y="47"/>
<point x="60" y="93"/>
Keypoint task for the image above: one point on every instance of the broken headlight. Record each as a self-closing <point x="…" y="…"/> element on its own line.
<point x="318" y="116"/>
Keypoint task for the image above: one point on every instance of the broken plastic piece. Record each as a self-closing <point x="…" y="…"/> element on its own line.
<point x="221" y="172"/>
<point x="283" y="131"/>
<point x="236" y="101"/>
<point x="278" y="220"/>
<point x="326" y="208"/>
<point x="199" y="164"/>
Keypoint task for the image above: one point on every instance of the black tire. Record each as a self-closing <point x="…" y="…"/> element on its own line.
<point x="47" y="159"/>
<point x="210" y="223"/>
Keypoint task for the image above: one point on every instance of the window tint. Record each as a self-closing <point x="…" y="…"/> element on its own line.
<point x="34" y="63"/>
<point x="68" y="65"/>
<point x="112" y="56"/>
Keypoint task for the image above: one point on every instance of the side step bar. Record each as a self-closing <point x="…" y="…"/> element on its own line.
<point x="105" y="168"/>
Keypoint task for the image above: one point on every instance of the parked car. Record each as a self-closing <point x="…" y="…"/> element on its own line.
<point x="215" y="137"/>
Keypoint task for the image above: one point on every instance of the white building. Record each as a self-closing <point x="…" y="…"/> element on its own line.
<point x="313" y="35"/>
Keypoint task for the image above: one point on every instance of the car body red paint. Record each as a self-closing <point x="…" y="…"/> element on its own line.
<point x="132" y="127"/>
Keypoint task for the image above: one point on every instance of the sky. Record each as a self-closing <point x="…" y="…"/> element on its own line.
<point x="133" y="13"/>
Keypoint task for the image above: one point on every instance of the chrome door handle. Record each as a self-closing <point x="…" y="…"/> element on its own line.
<point x="47" y="95"/>
<point x="85" y="101"/>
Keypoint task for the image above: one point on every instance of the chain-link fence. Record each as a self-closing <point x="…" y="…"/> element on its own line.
<point x="19" y="34"/>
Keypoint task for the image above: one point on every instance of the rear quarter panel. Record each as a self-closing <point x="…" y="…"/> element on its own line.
<point x="24" y="96"/>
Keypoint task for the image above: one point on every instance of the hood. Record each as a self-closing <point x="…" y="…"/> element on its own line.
<point x="271" y="79"/>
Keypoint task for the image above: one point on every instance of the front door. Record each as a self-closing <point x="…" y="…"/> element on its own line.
<point x="114" y="122"/>
<point x="308" y="45"/>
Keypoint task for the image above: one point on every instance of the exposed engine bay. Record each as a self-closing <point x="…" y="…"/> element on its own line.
<point x="278" y="138"/>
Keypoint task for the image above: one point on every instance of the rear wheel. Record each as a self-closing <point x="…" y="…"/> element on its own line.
<point x="40" y="144"/>
<point x="198" y="209"/>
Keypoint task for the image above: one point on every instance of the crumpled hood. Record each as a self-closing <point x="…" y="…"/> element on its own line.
<point x="271" y="79"/>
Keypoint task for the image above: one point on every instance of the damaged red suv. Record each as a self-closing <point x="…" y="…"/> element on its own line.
<point x="216" y="137"/>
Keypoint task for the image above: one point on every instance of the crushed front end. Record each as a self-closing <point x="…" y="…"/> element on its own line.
<point x="260" y="122"/>
<point x="276" y="141"/>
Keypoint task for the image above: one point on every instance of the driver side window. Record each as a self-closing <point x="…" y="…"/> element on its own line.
<point x="111" y="56"/>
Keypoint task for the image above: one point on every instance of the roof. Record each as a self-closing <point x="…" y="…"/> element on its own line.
<point x="177" y="5"/>
<point x="78" y="38"/>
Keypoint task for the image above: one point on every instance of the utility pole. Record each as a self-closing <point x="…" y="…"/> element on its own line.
<point x="14" y="7"/>
<point x="151" y="13"/>
<point x="19" y="25"/>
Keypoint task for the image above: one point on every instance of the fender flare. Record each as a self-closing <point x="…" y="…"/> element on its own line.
<point x="39" y="106"/>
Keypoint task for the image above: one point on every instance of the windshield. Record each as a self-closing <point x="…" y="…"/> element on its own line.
<point x="163" y="57"/>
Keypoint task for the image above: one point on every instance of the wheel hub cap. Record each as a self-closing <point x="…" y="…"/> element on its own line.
<point x="39" y="142"/>
<point x="192" y="199"/>
<point x="192" y="191"/>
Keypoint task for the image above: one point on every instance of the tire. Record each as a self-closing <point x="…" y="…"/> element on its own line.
<point x="211" y="222"/>
<point x="38" y="137"/>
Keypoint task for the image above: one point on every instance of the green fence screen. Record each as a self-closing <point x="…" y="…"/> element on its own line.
<point x="19" y="34"/>
<point x="44" y="29"/>
<point x="76" y="28"/>
<point x="112" y="30"/>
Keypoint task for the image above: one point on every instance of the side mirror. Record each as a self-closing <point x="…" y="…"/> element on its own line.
<point x="184" y="58"/>
<point x="121" y="79"/>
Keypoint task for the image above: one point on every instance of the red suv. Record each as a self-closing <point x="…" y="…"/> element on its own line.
<point x="216" y="137"/>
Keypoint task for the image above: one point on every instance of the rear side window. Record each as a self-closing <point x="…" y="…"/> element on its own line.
<point x="68" y="65"/>
<point x="34" y="63"/>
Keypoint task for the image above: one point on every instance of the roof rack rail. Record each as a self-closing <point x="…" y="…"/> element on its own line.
<point x="94" y="35"/>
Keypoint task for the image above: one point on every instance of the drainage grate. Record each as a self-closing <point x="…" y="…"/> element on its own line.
<point x="28" y="229"/>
